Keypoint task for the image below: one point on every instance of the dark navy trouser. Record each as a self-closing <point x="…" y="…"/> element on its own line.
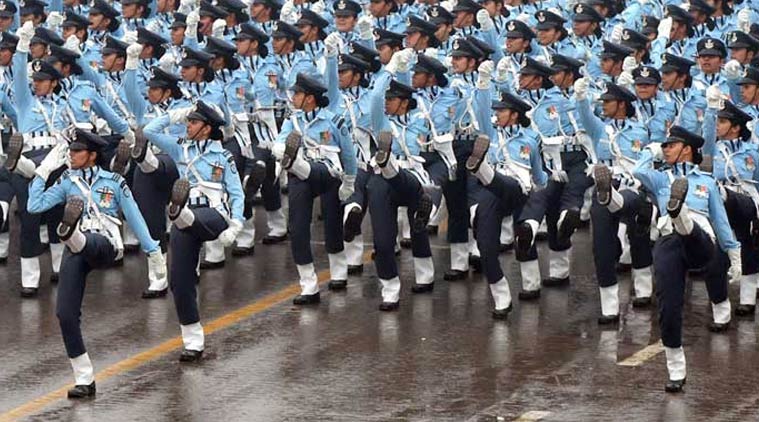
<point x="98" y="253"/>
<point x="385" y="196"/>
<point x="301" y="195"/>
<point x="152" y="192"/>
<point x="606" y="246"/>
<point x="185" y="247"/>
<point x="501" y="198"/>
<point x="674" y="255"/>
<point x="557" y="197"/>
<point x="741" y="211"/>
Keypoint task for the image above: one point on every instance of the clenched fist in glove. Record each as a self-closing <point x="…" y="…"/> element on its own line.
<point x="485" y="74"/>
<point x="714" y="97"/>
<point x="332" y="44"/>
<point x="228" y="236"/>
<point x="485" y="21"/>
<point x="218" y="27"/>
<point x="24" y="34"/>
<point x="733" y="69"/>
<point x="735" y="272"/>
<point x="347" y="187"/>
<point x="581" y="89"/>
<point x="133" y="56"/>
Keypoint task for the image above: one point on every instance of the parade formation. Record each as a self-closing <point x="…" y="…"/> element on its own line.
<point x="164" y="127"/>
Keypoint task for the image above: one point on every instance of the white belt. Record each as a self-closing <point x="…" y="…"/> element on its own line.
<point x="40" y="141"/>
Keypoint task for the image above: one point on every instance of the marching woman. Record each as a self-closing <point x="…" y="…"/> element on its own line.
<point x="156" y="172"/>
<point x="735" y="158"/>
<point x="507" y="162"/>
<point x="316" y="150"/>
<point x="94" y="198"/>
<point x="695" y="231"/>
<point x="618" y="139"/>
<point x="402" y="181"/>
<point x="206" y="204"/>
<point x="349" y="98"/>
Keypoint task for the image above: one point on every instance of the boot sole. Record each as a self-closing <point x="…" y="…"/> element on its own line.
<point x="479" y="151"/>
<point x="384" y="145"/>
<point x="352" y="225"/>
<point x="292" y="144"/>
<point x="569" y="225"/>
<point x="255" y="180"/>
<point x="15" y="146"/>
<point x="677" y="195"/>
<point x="72" y="212"/>
<point x="140" y="147"/>
<point x="602" y="174"/>
<point x="422" y="214"/>
<point x="180" y="192"/>
<point x="121" y="160"/>
<point x="523" y="239"/>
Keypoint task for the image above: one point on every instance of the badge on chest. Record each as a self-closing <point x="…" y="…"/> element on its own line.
<point x="217" y="172"/>
<point x="750" y="164"/>
<point x="524" y="152"/>
<point x="701" y="191"/>
<point x="105" y="197"/>
<point x="325" y="137"/>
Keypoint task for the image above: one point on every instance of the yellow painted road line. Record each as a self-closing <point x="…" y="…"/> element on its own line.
<point x="533" y="415"/>
<point x="643" y="355"/>
<point x="220" y="323"/>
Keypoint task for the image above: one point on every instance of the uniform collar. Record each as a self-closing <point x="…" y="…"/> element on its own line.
<point x="88" y="174"/>
<point x="685" y="168"/>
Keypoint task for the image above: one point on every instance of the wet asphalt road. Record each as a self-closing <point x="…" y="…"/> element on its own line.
<point x="439" y="358"/>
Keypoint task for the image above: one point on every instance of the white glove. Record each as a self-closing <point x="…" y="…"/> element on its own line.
<point x="218" y="27"/>
<point x="228" y="236"/>
<point x="733" y="69"/>
<point x="629" y="64"/>
<point x="347" y="187"/>
<point x="130" y="37"/>
<point x="524" y="18"/>
<point x="187" y="6"/>
<point x="157" y="263"/>
<point x="180" y="115"/>
<point x="560" y="176"/>
<point x="616" y="33"/>
<point x="318" y="7"/>
<point x="485" y="74"/>
<point x="448" y="4"/>
<point x="365" y="26"/>
<point x="288" y="13"/>
<point x="72" y="44"/>
<point x="735" y="271"/>
<point x="278" y="150"/>
<point x="502" y="69"/>
<point x="485" y="21"/>
<point x="665" y="26"/>
<point x="192" y="24"/>
<point x="581" y="89"/>
<point x="228" y="131"/>
<point x="133" y="56"/>
<point x="24" y="34"/>
<point x="55" y="159"/>
<point x="713" y="97"/>
<point x="448" y="62"/>
<point x="744" y="20"/>
<point x="400" y="61"/>
<point x="54" y="20"/>
<point x="656" y="152"/>
<point x="167" y="63"/>
<point x="332" y="44"/>
<point x="128" y="136"/>
<point x="625" y="79"/>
